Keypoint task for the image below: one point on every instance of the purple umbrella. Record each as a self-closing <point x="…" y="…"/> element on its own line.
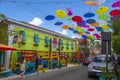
<point x="81" y="23"/>
<point x="86" y="26"/>
<point x="116" y="4"/>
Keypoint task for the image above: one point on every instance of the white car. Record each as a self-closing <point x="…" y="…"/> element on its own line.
<point x="98" y="64"/>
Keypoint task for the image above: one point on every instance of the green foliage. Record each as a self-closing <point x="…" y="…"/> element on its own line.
<point x="109" y="75"/>
<point x="116" y="34"/>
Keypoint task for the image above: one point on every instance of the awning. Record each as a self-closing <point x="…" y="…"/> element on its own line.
<point x="6" y="47"/>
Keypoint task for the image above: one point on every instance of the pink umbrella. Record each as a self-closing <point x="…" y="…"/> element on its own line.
<point x="97" y="35"/>
<point x="116" y="4"/>
<point x="86" y="26"/>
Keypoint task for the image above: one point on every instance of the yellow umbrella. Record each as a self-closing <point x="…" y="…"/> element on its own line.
<point x="61" y="13"/>
<point x="78" y="28"/>
<point x="65" y="26"/>
<point x="105" y="27"/>
<point x="91" y="2"/>
<point x="102" y="10"/>
<point x="89" y="35"/>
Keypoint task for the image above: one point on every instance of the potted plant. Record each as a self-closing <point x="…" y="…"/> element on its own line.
<point x="110" y="75"/>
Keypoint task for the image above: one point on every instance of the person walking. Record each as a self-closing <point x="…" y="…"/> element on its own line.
<point x="22" y="69"/>
<point x="40" y="67"/>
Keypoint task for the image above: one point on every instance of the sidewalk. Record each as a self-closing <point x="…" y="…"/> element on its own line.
<point x="16" y="76"/>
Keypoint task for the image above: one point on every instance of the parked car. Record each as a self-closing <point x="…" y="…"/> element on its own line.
<point x="98" y="64"/>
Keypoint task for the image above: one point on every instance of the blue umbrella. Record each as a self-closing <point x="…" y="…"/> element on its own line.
<point x="50" y="17"/>
<point x="89" y="21"/>
<point x="98" y="28"/>
<point x="71" y="29"/>
<point x="76" y="32"/>
<point x="58" y="23"/>
<point x="84" y="36"/>
<point x="89" y="14"/>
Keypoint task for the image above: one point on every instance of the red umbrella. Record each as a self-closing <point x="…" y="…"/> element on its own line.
<point x="90" y="29"/>
<point x="115" y="12"/>
<point x="77" y="18"/>
<point x="116" y="4"/>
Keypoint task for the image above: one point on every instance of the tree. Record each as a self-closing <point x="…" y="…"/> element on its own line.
<point x="115" y="21"/>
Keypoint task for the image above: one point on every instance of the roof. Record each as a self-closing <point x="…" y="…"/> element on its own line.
<point x="37" y="28"/>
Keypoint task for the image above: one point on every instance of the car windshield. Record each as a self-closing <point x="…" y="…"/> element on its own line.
<point x="100" y="59"/>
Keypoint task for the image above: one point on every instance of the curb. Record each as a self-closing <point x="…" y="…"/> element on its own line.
<point x="12" y="77"/>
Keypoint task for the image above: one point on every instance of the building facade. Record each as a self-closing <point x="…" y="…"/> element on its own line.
<point x="33" y="41"/>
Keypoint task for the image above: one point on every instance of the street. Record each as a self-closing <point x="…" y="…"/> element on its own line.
<point x="70" y="73"/>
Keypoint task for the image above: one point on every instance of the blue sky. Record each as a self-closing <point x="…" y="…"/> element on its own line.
<point x="35" y="11"/>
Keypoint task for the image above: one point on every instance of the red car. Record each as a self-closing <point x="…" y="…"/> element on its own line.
<point x="86" y="61"/>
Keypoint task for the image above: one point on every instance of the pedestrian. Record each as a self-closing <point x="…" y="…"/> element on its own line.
<point x="36" y="63"/>
<point x="22" y="69"/>
<point x="40" y="67"/>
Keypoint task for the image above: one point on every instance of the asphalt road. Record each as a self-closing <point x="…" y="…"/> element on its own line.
<point x="70" y="73"/>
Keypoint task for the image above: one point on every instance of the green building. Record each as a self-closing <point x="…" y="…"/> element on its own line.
<point x="34" y="41"/>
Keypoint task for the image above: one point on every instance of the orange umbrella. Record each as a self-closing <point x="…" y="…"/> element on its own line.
<point x="91" y="2"/>
<point x="95" y="24"/>
<point x="65" y="26"/>
<point x="6" y="47"/>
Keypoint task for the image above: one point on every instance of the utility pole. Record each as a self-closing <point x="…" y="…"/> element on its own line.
<point x="59" y="52"/>
<point x="50" y="59"/>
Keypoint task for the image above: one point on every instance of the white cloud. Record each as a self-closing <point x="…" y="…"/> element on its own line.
<point x="76" y="37"/>
<point x="64" y="32"/>
<point x="36" y="21"/>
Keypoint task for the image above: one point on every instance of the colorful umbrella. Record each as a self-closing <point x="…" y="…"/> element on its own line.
<point x="89" y="35"/>
<point x="105" y="27"/>
<point x="78" y="28"/>
<point x="98" y="28"/>
<point x="58" y="23"/>
<point x="115" y="12"/>
<point x="66" y="27"/>
<point x="90" y="2"/>
<point x="97" y="35"/>
<point x="81" y="23"/>
<point x="77" y="18"/>
<point x="103" y="16"/>
<point x="102" y="10"/>
<point x="89" y="14"/>
<point x="95" y="24"/>
<point x="50" y="17"/>
<point x="75" y="31"/>
<point x="87" y="32"/>
<point x="89" y="21"/>
<point x="71" y="29"/>
<point x="84" y="36"/>
<point x="61" y="13"/>
<point x="69" y="12"/>
<point x="86" y="26"/>
<point x="80" y="33"/>
<point x="99" y="2"/>
<point x="90" y="29"/>
<point x="116" y="4"/>
<point x="69" y="18"/>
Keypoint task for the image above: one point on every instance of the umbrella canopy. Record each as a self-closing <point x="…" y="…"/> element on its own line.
<point x="95" y="24"/>
<point x="99" y="2"/>
<point x="78" y="28"/>
<point x="58" y="23"/>
<point x="105" y="27"/>
<point x="71" y="29"/>
<point x="84" y="36"/>
<point x="80" y="33"/>
<point x="65" y="26"/>
<point x="86" y="26"/>
<point x="50" y="17"/>
<point x="81" y="23"/>
<point x="61" y="13"/>
<point x="98" y="28"/>
<point x="116" y="4"/>
<point x="115" y="12"/>
<point x="103" y="16"/>
<point x="6" y="47"/>
<point x="69" y="12"/>
<point x="90" y="2"/>
<point x="69" y="18"/>
<point x="89" y="14"/>
<point x="90" y="29"/>
<point x="102" y="10"/>
<point x="77" y="18"/>
<point x="89" y="21"/>
<point x="75" y="31"/>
